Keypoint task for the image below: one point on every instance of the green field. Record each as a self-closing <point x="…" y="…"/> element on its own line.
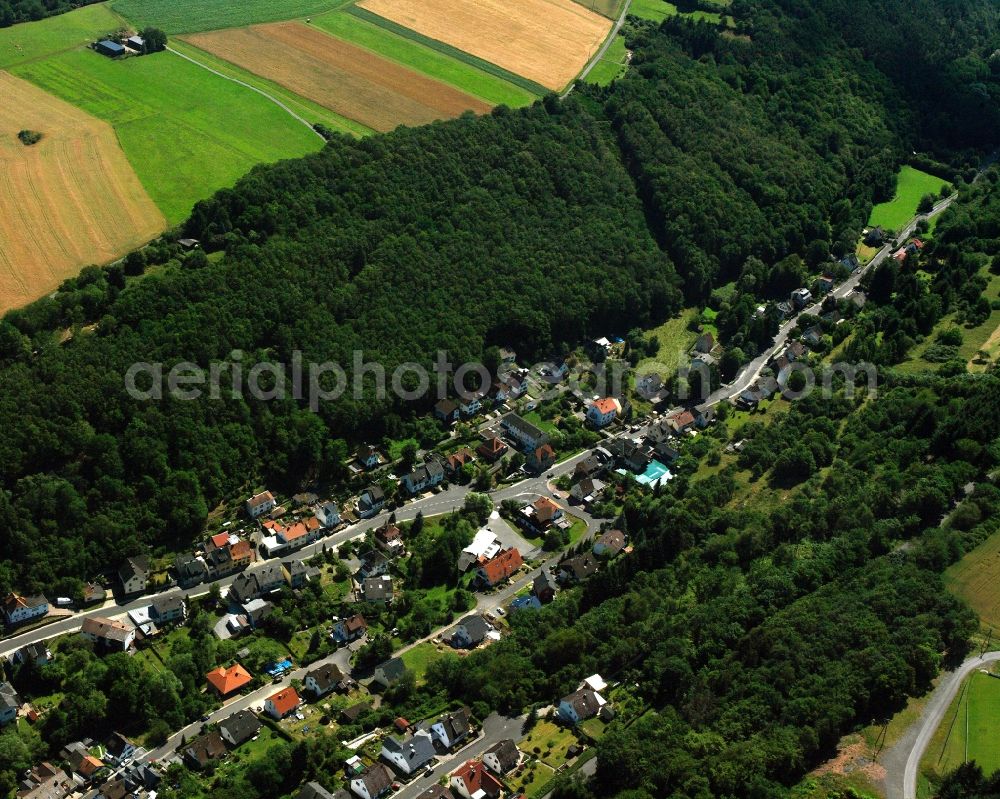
<point x="31" y="41"/>
<point x="911" y="185"/>
<point x="421" y="656"/>
<point x="976" y="579"/>
<point x="192" y="16"/>
<point x="611" y="66"/>
<point x="186" y="131"/>
<point x="470" y="79"/>
<point x="969" y="730"/>
<point x="659" y="10"/>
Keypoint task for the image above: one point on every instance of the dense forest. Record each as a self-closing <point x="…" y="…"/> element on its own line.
<point x="15" y="11"/>
<point x="530" y="228"/>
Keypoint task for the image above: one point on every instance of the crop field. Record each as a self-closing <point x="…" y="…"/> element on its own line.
<point x="606" y="8"/>
<point x="422" y="58"/>
<point x="70" y="200"/>
<point x="969" y="728"/>
<point x="976" y="579"/>
<point x="546" y="41"/>
<point x="30" y="41"/>
<point x="912" y="184"/>
<point x="186" y="131"/>
<point x="193" y="16"/>
<point x="350" y="80"/>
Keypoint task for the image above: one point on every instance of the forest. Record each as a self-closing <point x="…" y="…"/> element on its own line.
<point x="15" y="11"/>
<point x="531" y="228"/>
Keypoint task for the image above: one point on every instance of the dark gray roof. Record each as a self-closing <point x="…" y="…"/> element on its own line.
<point x="435" y="792"/>
<point x="456" y="724"/>
<point x="326" y="676"/>
<point x="514" y="422"/>
<point x="584" y="702"/>
<point x="354" y="711"/>
<point x="167" y="604"/>
<point x="313" y="790"/>
<point x="506" y="752"/>
<point x="416" y="751"/>
<point x="241" y="726"/>
<point x="476" y="627"/>
<point x="392" y="669"/>
<point x="376" y="589"/>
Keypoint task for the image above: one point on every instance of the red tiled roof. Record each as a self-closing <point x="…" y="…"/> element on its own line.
<point x="312" y="523"/>
<point x="240" y="550"/>
<point x="355" y="623"/>
<point x="607" y="405"/>
<point x="545" y="509"/>
<point x="297" y="530"/>
<point x="476" y="778"/>
<point x="220" y="539"/>
<point x="502" y="565"/>
<point x="544" y="452"/>
<point x="225" y="681"/>
<point x="285" y="701"/>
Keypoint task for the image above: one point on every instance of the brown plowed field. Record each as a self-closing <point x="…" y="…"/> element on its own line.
<point x="349" y="80"/>
<point x="548" y="41"/>
<point x="68" y="201"/>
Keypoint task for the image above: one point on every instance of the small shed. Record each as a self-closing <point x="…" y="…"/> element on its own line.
<point x="136" y="42"/>
<point x="109" y="48"/>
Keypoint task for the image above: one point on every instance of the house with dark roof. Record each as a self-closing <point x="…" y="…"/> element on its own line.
<point x="591" y="466"/>
<point x="295" y="572"/>
<point x="118" y="748"/>
<point x="370" y="501"/>
<point x="255" y="584"/>
<point x="471" y="632"/>
<point x="580" y="705"/>
<point x="390" y="538"/>
<point x="373" y="782"/>
<point x="452" y="728"/>
<point x="204" y="749"/>
<point x="349" y="715"/>
<point x="377" y="589"/>
<point x="109" y="48"/>
<point x="390" y="672"/>
<point x="326" y="678"/>
<point x="436" y="792"/>
<point x="350" y="629"/>
<point x="239" y="728"/>
<point x="577" y="568"/>
<point x="313" y="790"/>
<point x="37" y="654"/>
<point x="373" y="564"/>
<point x="426" y="476"/>
<point x="165" y="609"/>
<point x="544" y="586"/>
<point x="528" y="436"/>
<point x="610" y="543"/>
<point x="502" y="757"/>
<point x="9" y="703"/>
<point x="409" y="755"/>
<point x="447" y="411"/>
<point x="134" y="575"/>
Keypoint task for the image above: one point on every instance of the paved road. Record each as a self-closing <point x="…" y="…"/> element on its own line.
<point x="752" y="370"/>
<point x="903" y="760"/>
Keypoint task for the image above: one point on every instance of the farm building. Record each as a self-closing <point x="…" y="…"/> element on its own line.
<point x="109" y="48"/>
<point x="136" y="42"/>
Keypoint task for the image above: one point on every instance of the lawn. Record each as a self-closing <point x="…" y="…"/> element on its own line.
<point x="190" y="16"/>
<point x="969" y="728"/>
<point x="535" y="418"/>
<point x="534" y="778"/>
<point x="421" y="656"/>
<point x="659" y="10"/>
<point x="187" y="132"/>
<point x="430" y="62"/>
<point x="612" y="65"/>
<point x="675" y="338"/>
<point x="911" y="185"/>
<point x="396" y="447"/>
<point x="551" y="740"/>
<point x="31" y="41"/>
<point x="976" y="579"/>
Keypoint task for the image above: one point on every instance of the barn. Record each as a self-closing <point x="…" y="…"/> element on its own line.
<point x="109" y="48"/>
<point x="136" y="42"/>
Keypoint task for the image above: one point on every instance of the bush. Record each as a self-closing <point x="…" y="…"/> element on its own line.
<point x="951" y="336"/>
<point x="29" y="137"/>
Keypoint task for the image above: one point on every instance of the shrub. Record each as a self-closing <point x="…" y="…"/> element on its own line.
<point x="29" y="137"/>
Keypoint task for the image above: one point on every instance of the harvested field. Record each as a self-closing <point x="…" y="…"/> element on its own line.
<point x="72" y="199"/>
<point x="548" y="41"/>
<point x="349" y="80"/>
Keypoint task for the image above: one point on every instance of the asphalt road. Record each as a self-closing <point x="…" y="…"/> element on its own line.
<point x="902" y="762"/>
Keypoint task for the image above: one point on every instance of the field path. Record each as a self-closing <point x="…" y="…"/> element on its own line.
<point x="600" y="53"/>
<point x="261" y="92"/>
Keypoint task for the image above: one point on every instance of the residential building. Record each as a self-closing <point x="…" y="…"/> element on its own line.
<point x="580" y="705"/>
<point x="544" y="586"/>
<point x="452" y="728"/>
<point x="111" y="635"/>
<point x="542" y="458"/>
<point x="492" y="449"/>
<point x="472" y="404"/>
<point x="483" y="547"/>
<point x="37" y="654"/>
<point x="9" y="703"/>
<point x="528" y="436"/>
<point x="313" y="790"/>
<point x="874" y="237"/>
<point x="540" y="515"/>
<point x="283" y="703"/>
<point x="204" y="749"/>
<point x="259" y="504"/>
<point x="373" y="564"/>
<point x="118" y="749"/>
<point x="409" y="755"/>
<point x="166" y="609"/>
<point x="239" y="728"/>
<point x="587" y="490"/>
<point x="350" y="715"/>
<point x="254" y="584"/>
<point x="18" y="609"/>
<point x="578" y="568"/>
<point x="190" y="570"/>
<point x="453" y="463"/>
<point x="603" y="412"/>
<point x="370" y="502"/>
<point x="326" y="678"/>
<point x="390" y="538"/>
<point x="502" y="757"/>
<point x="436" y="792"/>
<point x="257" y="611"/>
<point x="610" y="543"/>
<point x="591" y="466"/>
<point x="526" y="602"/>
<point x="368" y="457"/>
<point x="294" y="572"/>
<point x="304" y="498"/>
<point x="471" y="632"/>
<point x="447" y="411"/>
<point x="377" y="589"/>
<point x="373" y="782"/>
<point x="680" y="421"/>
<point x="390" y="672"/>
<point x="801" y="298"/>
<point x="473" y="781"/>
<point x="500" y="567"/>
<point x="424" y="477"/>
<point x="328" y="514"/>
<point x="705" y="343"/>
<point x="228" y="681"/>
<point x="350" y="629"/>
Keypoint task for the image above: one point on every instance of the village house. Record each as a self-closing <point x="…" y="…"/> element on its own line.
<point x="473" y="781"/>
<point x="282" y="704"/>
<point x="37" y="654"/>
<point x="542" y="458"/>
<point x="118" y="749"/>
<point x="483" y="547"/>
<point x="453" y="463"/>
<point x="190" y="570"/>
<point x="471" y="632"/>
<point x="591" y="466"/>
<point x="19" y="609"/>
<point x="472" y="404"/>
<point x="680" y="421"/>
<point x="603" y="412"/>
<point x="628" y="454"/>
<point x="447" y="411"/>
<point x="373" y="782"/>
<point x="351" y="714"/>
<point x="500" y="567"/>
<point x="256" y="611"/>
<point x="370" y="502"/>
<point x="409" y="755"/>
<point x="587" y="491"/>
<point x="295" y="572"/>
<point x="610" y="543"/>
<point x="368" y="457"/>
<point x="9" y="703"/>
<point x="326" y="678"/>
<point x="439" y="792"/>
<point x="544" y="586"/>
<point x="452" y="728"/>
<point x="492" y="449"/>
<point x="388" y="673"/>
<point x="133" y="576"/>
<point x="239" y="728"/>
<point x="540" y="515"/>
<point x="528" y="437"/>
<point x="582" y="704"/>
<point x="227" y="681"/>
<point x="874" y="237"/>
<point x="373" y="564"/>
<point x="255" y="584"/>
<point x="328" y="514"/>
<point x="313" y="790"/>
<point x="259" y="504"/>
<point x="577" y="569"/>
<point x="350" y="629"/>
<point x="424" y="477"/>
<point x="525" y="602"/>
<point x="390" y="538"/>
<point x="167" y="609"/>
<point x="801" y="298"/>
<point x="112" y="636"/>
<point x="502" y="757"/>
<point x="377" y="589"/>
<point x="204" y="749"/>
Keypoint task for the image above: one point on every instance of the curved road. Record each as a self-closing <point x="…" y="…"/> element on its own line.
<point x="918" y="737"/>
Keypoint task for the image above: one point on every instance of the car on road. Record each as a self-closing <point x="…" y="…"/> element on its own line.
<point x="429" y="772"/>
<point x="501" y="612"/>
<point x="205" y="718"/>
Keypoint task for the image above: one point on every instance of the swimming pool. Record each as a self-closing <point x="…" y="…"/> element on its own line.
<point x="655" y="472"/>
